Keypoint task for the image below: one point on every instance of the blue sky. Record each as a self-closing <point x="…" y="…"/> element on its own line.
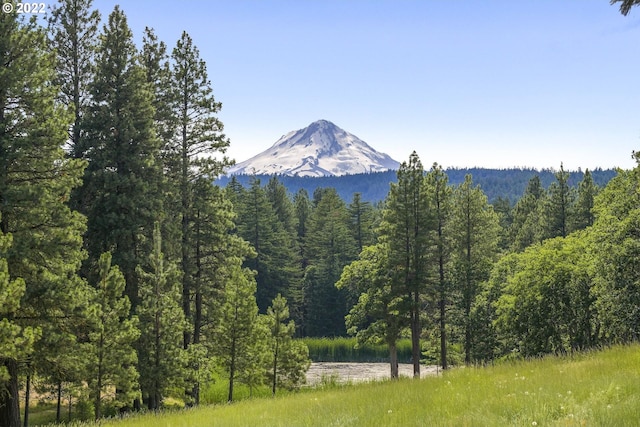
<point x="464" y="83"/>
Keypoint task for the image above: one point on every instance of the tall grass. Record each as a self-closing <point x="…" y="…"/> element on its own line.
<point x="342" y="349"/>
<point x="592" y="389"/>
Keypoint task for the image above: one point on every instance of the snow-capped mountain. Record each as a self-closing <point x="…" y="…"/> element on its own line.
<point x="320" y="149"/>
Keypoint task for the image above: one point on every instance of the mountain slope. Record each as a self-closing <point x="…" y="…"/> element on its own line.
<point x="320" y="149"/>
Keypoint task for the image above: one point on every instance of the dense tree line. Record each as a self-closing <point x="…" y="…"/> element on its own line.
<point x="498" y="184"/>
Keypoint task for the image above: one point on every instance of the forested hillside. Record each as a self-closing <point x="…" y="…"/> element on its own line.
<point x="508" y="184"/>
<point x="129" y="276"/>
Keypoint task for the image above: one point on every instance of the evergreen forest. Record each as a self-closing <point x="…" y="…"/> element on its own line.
<point x="128" y="274"/>
<point x="507" y="184"/>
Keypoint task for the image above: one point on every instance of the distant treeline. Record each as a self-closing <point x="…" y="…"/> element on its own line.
<point x="373" y="187"/>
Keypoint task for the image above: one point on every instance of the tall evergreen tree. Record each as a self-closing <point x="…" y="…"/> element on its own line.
<point x="474" y="229"/>
<point x="192" y="151"/>
<point x="15" y="342"/>
<point x="214" y="251"/>
<point x="156" y="64"/>
<point x="303" y="212"/>
<point x="362" y="222"/>
<point x="73" y="28"/>
<point x="583" y="215"/>
<point x="502" y="206"/>
<point x="123" y="181"/>
<point x="559" y="206"/>
<point x="282" y="204"/>
<point x="407" y="229"/>
<point x="302" y="207"/>
<point x="291" y="265"/>
<point x="110" y="354"/>
<point x="526" y="227"/>
<point x="155" y="60"/>
<point x="440" y="195"/>
<point x="161" y="358"/>
<point x="35" y="184"/>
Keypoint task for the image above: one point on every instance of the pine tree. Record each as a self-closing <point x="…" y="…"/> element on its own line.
<point x="156" y="64"/>
<point x="161" y="358"/>
<point x="110" y="354"/>
<point x="362" y="221"/>
<point x="502" y="206"/>
<point x="303" y="212"/>
<point x="291" y="271"/>
<point x="73" y="29"/>
<point x="191" y="151"/>
<point x="290" y="359"/>
<point x="474" y="229"/>
<point x="155" y="61"/>
<point x="526" y="228"/>
<point x="440" y="194"/>
<point x="302" y="207"/>
<point x="559" y="206"/>
<point x="282" y="205"/>
<point x="407" y="228"/>
<point x="583" y="216"/>
<point x="236" y="335"/>
<point x="123" y="181"/>
<point x="35" y="183"/>
<point x="15" y="342"/>
<point x="214" y="250"/>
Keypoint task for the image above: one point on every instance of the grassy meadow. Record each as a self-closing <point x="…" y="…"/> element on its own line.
<point x="600" y="388"/>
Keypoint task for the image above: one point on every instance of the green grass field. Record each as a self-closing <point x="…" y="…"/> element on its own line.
<point x="593" y="389"/>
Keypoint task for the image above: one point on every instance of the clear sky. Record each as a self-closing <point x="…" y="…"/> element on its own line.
<point x="464" y="83"/>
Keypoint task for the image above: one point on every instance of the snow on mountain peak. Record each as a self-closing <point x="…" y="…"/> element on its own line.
<point x="320" y="149"/>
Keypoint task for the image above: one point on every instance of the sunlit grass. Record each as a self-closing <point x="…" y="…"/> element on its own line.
<point x="592" y="389"/>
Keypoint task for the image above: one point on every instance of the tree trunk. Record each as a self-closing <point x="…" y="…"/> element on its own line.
<point x="443" y="331"/>
<point x="197" y="320"/>
<point x="275" y="370"/>
<point x="186" y="243"/>
<point x="232" y="369"/>
<point x="443" y="312"/>
<point x="393" y="360"/>
<point x="27" y="398"/>
<point x="415" y="335"/>
<point x="59" y="403"/>
<point x="98" y="397"/>
<point x="469" y="289"/>
<point x="9" y="405"/>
